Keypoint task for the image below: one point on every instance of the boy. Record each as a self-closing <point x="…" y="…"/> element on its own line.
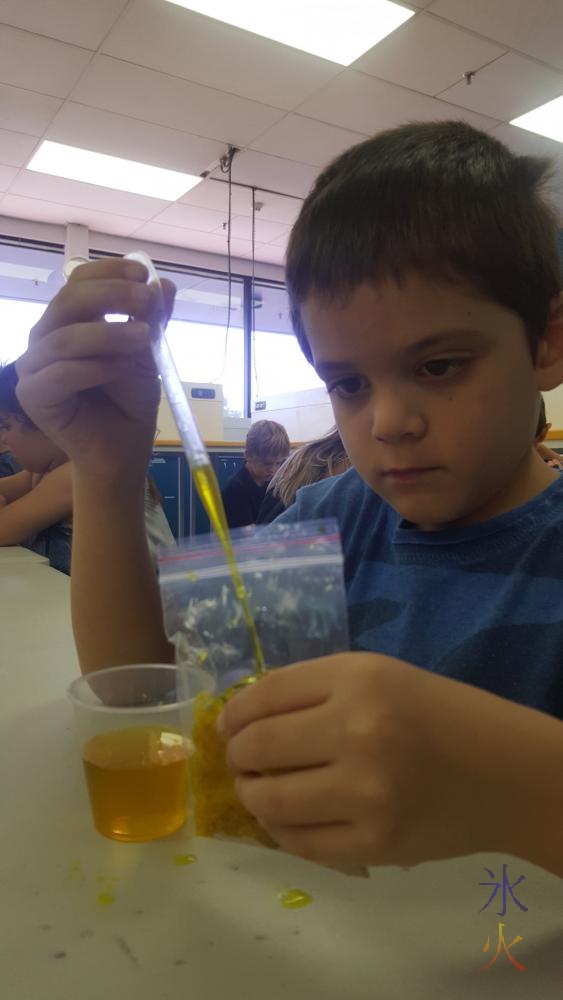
<point x="267" y="447"/>
<point x="423" y="278"/>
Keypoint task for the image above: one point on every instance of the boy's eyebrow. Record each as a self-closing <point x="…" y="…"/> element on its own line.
<point x="446" y="338"/>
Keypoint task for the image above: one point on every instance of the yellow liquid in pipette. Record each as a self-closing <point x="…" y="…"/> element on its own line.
<point x="208" y="489"/>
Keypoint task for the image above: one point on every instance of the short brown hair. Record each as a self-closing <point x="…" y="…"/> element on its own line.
<point x="267" y="439"/>
<point x="439" y="198"/>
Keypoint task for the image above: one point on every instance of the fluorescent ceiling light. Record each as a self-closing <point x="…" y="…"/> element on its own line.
<point x="546" y="120"/>
<point x="202" y="298"/>
<point x="111" y="171"/>
<point x="25" y="272"/>
<point x="339" y="30"/>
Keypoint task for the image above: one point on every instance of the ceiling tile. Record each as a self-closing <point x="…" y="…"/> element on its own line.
<point x="306" y="140"/>
<point x="7" y="175"/>
<point x="46" y="211"/>
<point x="88" y="196"/>
<point x="508" y="87"/>
<point x="134" y="140"/>
<point x="22" y="111"/>
<point x="355" y="100"/>
<point x="16" y="148"/>
<point x="214" y="194"/>
<point x="534" y="28"/>
<point x="204" y="220"/>
<point x="241" y="228"/>
<point x="80" y="22"/>
<point x="525" y="143"/>
<point x="39" y="64"/>
<point x="167" y="100"/>
<point x="283" y="176"/>
<point x="268" y="253"/>
<point x="169" y="38"/>
<point x="192" y="240"/>
<point x="427" y="55"/>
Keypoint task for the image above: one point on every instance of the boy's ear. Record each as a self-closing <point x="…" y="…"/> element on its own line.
<point x="549" y="363"/>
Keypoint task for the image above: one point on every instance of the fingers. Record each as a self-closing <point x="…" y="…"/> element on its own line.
<point x="99" y="339"/>
<point x="59" y="382"/>
<point x="333" y="844"/>
<point x="295" y="740"/>
<point x="299" y="798"/>
<point x="287" y="689"/>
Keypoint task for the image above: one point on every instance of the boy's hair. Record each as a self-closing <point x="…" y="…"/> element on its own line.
<point x="438" y="198"/>
<point x="312" y="462"/>
<point x="267" y="439"/>
<point x="9" y="402"/>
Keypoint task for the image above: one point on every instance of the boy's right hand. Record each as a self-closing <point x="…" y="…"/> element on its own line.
<point x="91" y="385"/>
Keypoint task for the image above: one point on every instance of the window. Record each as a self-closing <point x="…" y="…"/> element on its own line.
<point x="29" y="278"/>
<point x="278" y="363"/>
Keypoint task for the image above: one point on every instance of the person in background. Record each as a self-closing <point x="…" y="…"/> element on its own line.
<point x="319" y="459"/>
<point x="552" y="458"/>
<point x="35" y="503"/>
<point x="267" y="447"/>
<point x="8" y="464"/>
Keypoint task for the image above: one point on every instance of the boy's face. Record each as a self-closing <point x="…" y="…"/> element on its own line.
<point x="32" y="449"/>
<point x="435" y="395"/>
<point x="263" y="469"/>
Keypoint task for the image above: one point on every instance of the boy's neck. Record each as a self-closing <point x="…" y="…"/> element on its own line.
<point x="531" y="478"/>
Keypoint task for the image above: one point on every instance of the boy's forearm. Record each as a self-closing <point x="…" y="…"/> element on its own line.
<point x="116" y="610"/>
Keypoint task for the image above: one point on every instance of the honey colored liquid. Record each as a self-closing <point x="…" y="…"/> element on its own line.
<point x="208" y="489"/>
<point x="138" y="782"/>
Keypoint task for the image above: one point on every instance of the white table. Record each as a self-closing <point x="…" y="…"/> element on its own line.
<point x="214" y="930"/>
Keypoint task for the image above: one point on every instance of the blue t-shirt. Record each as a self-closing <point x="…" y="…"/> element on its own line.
<point x="482" y="604"/>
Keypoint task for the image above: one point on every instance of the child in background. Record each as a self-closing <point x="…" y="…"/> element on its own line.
<point x="35" y="503"/>
<point x="314" y="461"/>
<point x="267" y="447"/>
<point x="552" y="458"/>
<point x="424" y="281"/>
<point x="8" y="464"/>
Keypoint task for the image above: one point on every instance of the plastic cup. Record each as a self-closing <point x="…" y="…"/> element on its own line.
<point x="133" y="725"/>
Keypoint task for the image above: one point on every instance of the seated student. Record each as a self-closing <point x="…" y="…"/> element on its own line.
<point x="37" y="502"/>
<point x="8" y="464"/>
<point x="267" y="447"/>
<point x="312" y="462"/>
<point x="424" y="281"/>
<point x="553" y="458"/>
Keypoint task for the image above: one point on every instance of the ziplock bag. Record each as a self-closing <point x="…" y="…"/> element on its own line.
<point x="293" y="578"/>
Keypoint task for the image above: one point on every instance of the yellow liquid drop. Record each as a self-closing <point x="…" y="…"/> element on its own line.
<point x="294" y="899"/>
<point x="185" y="859"/>
<point x="210" y="494"/>
<point x="105" y="899"/>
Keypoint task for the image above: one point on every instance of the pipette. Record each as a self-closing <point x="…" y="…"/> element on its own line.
<point x="197" y="456"/>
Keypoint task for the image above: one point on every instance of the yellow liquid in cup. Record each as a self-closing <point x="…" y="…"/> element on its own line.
<point x="138" y="782"/>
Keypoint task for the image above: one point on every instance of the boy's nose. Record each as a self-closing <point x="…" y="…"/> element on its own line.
<point x="395" y="418"/>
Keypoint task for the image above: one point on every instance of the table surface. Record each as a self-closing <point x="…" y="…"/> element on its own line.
<point x="85" y="917"/>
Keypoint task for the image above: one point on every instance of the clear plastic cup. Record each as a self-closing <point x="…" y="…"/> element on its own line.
<point x="134" y="724"/>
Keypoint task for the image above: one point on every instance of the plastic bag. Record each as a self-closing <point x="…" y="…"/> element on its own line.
<point x="294" y="583"/>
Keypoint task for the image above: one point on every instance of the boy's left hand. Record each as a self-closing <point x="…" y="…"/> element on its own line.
<point x="361" y="758"/>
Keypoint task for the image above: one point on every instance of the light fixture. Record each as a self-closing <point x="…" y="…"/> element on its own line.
<point x="546" y="120"/>
<point x="339" y="30"/>
<point x="25" y="272"/>
<point x="213" y="299"/>
<point x="111" y="171"/>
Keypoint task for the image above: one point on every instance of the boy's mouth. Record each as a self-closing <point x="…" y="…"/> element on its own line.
<point x="408" y="475"/>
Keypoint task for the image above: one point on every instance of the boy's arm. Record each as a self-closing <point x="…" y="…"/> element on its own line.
<point x="14" y="487"/>
<point x="50" y="501"/>
<point x="361" y="758"/>
<point x="116" y="610"/>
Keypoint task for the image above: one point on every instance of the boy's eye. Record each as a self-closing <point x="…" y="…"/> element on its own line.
<point x="441" y="367"/>
<point x="346" y="388"/>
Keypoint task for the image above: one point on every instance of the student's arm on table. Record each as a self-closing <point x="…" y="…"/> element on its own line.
<point x="361" y="758"/>
<point x="16" y="486"/>
<point x="50" y="501"/>
<point x="91" y="386"/>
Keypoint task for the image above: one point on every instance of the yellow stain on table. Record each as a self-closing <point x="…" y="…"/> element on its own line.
<point x="105" y="899"/>
<point x="294" y="899"/>
<point x="184" y="859"/>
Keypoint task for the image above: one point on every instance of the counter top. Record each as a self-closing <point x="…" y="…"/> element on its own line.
<point x="85" y="918"/>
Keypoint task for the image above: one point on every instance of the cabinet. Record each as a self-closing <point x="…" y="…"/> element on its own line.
<point x="181" y="504"/>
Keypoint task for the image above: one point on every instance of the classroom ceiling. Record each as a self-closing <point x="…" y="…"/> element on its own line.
<point x="149" y="80"/>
